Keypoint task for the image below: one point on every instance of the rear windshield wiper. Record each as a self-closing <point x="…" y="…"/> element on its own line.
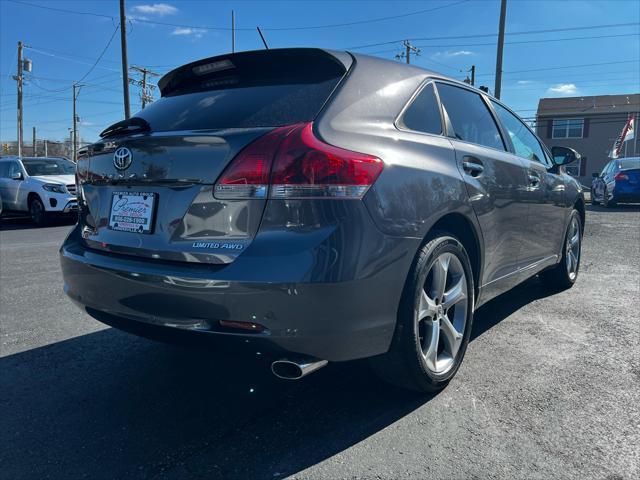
<point x="131" y="125"/>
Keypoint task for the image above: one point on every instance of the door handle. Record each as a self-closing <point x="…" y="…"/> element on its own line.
<point x="472" y="165"/>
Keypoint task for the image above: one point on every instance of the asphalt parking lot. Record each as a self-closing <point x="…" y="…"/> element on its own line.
<point x="550" y="388"/>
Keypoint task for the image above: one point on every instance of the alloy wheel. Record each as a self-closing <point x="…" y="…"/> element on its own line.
<point x="37" y="212"/>
<point x="442" y="313"/>
<point x="573" y="248"/>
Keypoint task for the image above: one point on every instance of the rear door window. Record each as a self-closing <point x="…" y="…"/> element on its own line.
<point x="423" y="114"/>
<point x="469" y="116"/>
<point x="629" y="163"/>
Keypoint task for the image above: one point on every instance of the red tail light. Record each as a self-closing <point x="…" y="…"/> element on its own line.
<point x="301" y="166"/>
<point x="621" y="176"/>
<point x="248" y="174"/>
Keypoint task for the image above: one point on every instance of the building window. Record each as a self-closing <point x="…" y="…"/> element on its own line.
<point x="577" y="169"/>
<point x="568" y="127"/>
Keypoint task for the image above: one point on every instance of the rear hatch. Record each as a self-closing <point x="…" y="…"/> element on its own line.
<point x="147" y="186"/>
<point x="628" y="174"/>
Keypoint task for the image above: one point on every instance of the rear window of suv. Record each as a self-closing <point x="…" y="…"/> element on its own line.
<point x="263" y="91"/>
<point x="629" y="163"/>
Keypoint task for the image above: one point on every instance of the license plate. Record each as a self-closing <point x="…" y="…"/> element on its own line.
<point x="132" y="212"/>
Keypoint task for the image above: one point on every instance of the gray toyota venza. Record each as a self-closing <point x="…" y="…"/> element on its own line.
<point x="320" y="206"/>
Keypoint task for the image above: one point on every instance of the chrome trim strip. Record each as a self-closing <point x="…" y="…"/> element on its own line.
<point x="522" y="269"/>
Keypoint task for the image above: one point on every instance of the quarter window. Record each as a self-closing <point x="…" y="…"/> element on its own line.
<point x="469" y="116"/>
<point x="525" y="143"/>
<point x="568" y="127"/>
<point x="4" y="169"/>
<point x="423" y="115"/>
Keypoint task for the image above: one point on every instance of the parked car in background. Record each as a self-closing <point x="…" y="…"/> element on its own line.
<point x="619" y="182"/>
<point x="326" y="206"/>
<point x="38" y="186"/>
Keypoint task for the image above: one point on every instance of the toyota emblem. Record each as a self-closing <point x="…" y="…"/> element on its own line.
<point x="122" y="158"/>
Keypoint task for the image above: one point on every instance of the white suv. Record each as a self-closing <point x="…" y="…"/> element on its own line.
<point x="40" y="186"/>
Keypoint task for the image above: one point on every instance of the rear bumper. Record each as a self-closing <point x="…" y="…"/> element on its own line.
<point x="631" y="195"/>
<point x="334" y="320"/>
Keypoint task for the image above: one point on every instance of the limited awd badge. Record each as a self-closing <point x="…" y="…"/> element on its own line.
<point x="122" y="158"/>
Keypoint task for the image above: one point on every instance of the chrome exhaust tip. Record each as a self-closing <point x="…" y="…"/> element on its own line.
<point x="296" y="369"/>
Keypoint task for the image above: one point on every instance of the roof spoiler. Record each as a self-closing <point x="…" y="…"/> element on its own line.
<point x="226" y="70"/>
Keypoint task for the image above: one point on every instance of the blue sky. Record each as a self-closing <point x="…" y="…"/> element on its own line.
<point x="64" y="46"/>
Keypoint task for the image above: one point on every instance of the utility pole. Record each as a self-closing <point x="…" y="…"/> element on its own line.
<point x="503" y="15"/>
<point x="19" y="80"/>
<point x="233" y="31"/>
<point x="471" y="81"/>
<point x="46" y="149"/>
<point x="35" y="150"/>
<point x="407" y="53"/>
<point x="146" y="94"/>
<point x="74" y="145"/>
<point x="125" y="63"/>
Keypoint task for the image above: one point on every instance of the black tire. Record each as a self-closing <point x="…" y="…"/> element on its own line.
<point x="606" y="203"/>
<point x="560" y="277"/>
<point x="405" y="365"/>
<point x="593" y="198"/>
<point x="37" y="212"/>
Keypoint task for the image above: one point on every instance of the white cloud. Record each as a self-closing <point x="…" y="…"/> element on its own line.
<point x="458" y="53"/>
<point x="186" y="31"/>
<point x="134" y="18"/>
<point x="524" y="82"/>
<point x="564" y="89"/>
<point x="160" y="9"/>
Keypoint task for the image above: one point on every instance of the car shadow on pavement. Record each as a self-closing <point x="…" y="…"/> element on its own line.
<point x="496" y="310"/>
<point x="111" y="405"/>
<point x="25" y="223"/>
<point x="621" y="207"/>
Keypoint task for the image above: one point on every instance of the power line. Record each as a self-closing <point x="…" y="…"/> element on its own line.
<point x="55" y="9"/>
<point x="71" y="55"/>
<point x="585" y="108"/>
<point x="521" y="42"/>
<point x="373" y="20"/>
<point x="565" y="66"/>
<point x="101" y="54"/>
<point x="581" y="85"/>
<point x="576" y="75"/>
<point x="205" y="27"/>
<point x="484" y="35"/>
<point x="42" y="52"/>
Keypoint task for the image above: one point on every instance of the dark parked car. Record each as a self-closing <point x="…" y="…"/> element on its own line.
<point x="325" y="205"/>
<point x="619" y="182"/>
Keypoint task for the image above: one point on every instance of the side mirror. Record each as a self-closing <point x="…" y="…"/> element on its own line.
<point x="564" y="155"/>
<point x="16" y="175"/>
<point x="595" y="174"/>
